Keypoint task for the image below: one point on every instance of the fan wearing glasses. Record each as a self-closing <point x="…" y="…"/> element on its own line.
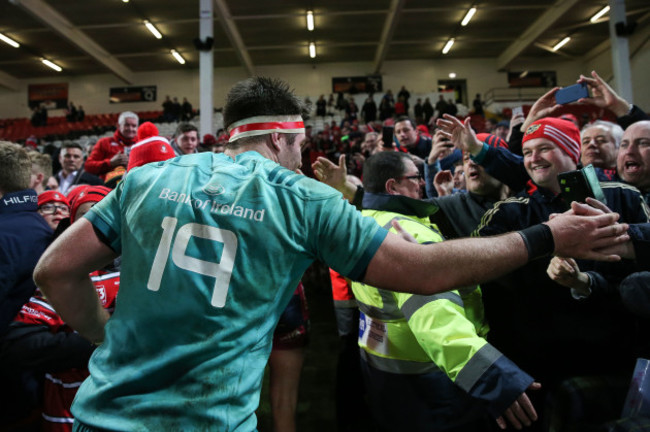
<point x="410" y="184"/>
<point x="54" y="207"/>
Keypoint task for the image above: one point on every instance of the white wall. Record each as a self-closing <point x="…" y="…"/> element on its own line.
<point x="419" y="76"/>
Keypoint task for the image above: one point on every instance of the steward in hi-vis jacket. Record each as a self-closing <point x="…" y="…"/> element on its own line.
<point x="425" y="359"/>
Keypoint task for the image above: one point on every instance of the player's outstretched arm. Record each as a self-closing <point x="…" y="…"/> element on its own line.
<point x="429" y="269"/>
<point x="62" y="275"/>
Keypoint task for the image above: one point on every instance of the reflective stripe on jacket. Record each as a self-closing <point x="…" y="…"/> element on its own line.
<point x="405" y="333"/>
<point x="413" y="334"/>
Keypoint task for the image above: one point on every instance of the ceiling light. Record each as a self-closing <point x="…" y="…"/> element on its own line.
<point x="468" y="16"/>
<point x="310" y="20"/>
<point x="154" y="31"/>
<point x="602" y="12"/>
<point x="448" y="45"/>
<point x="9" y="41"/>
<point x="561" y="43"/>
<point x="179" y="58"/>
<point x="452" y="75"/>
<point x="125" y="1"/>
<point x="524" y="74"/>
<point x="312" y="50"/>
<point x="51" y="65"/>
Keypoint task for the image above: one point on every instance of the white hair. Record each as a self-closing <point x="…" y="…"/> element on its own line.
<point x="125" y="115"/>
<point x="615" y="130"/>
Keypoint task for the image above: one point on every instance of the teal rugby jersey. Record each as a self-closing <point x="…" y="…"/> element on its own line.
<point x="212" y="250"/>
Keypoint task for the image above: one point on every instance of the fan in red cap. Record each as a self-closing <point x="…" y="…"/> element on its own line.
<point x="149" y="148"/>
<point x="563" y="133"/>
<point x="85" y="199"/>
<point x="54" y="207"/>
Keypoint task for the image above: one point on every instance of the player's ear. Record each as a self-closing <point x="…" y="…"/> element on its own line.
<point x="276" y="141"/>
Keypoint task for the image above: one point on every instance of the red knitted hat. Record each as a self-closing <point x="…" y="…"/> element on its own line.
<point x="146" y="130"/>
<point x="561" y="132"/>
<point x="89" y="194"/>
<point x="152" y="149"/>
<point x="52" y="196"/>
<point x="75" y="191"/>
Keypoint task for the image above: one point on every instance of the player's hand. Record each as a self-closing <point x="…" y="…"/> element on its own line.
<point x="587" y="237"/>
<point x="329" y="173"/>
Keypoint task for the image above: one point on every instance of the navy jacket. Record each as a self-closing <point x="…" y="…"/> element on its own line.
<point x="422" y="148"/>
<point x="24" y="235"/>
<point x="640" y="235"/>
<point x="536" y="322"/>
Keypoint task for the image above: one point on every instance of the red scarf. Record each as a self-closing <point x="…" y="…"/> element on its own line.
<point x="120" y="139"/>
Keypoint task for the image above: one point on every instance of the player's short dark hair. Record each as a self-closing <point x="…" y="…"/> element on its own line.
<point x="381" y="167"/>
<point x="405" y="118"/>
<point x="260" y="96"/>
<point x="184" y="128"/>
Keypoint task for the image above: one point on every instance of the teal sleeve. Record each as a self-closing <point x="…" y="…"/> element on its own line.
<point x="344" y="239"/>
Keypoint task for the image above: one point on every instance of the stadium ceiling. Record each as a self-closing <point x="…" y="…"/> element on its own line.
<point x="99" y="36"/>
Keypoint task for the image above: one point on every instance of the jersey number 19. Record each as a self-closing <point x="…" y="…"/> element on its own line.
<point x="220" y="271"/>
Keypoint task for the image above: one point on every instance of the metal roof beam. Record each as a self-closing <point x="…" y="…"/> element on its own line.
<point x="396" y="7"/>
<point x="541" y="24"/>
<point x="65" y="28"/>
<point x="550" y="49"/>
<point x="228" y="24"/>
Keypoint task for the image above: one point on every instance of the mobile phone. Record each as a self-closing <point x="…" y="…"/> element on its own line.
<point x="580" y="184"/>
<point x="571" y="93"/>
<point x="517" y="110"/>
<point x="387" y="133"/>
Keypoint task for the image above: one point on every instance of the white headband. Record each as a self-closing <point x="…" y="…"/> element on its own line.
<point x="262" y="125"/>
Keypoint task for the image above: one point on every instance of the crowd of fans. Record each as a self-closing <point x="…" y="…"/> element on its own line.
<point x="174" y="111"/>
<point x="573" y="326"/>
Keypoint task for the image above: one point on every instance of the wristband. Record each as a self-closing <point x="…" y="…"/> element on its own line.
<point x="538" y="240"/>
